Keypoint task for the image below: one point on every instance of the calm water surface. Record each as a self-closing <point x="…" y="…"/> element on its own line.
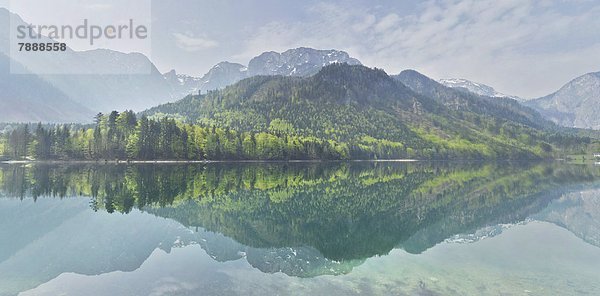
<point x="296" y="229"/>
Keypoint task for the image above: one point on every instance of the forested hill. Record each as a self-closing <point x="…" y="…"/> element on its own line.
<point x="372" y="111"/>
<point x="342" y="112"/>
<point x="502" y="108"/>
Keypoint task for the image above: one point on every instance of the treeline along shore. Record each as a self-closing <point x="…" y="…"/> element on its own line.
<point x="123" y="137"/>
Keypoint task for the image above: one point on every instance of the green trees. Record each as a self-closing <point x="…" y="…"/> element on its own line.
<point x="42" y="146"/>
<point x="18" y="143"/>
<point x="3" y="148"/>
<point x="122" y="136"/>
<point x="360" y="113"/>
<point x="344" y="112"/>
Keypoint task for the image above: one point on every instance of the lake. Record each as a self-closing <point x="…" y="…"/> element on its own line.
<point x="341" y="228"/>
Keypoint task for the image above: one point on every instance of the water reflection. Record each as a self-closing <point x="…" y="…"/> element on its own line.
<point x="304" y="220"/>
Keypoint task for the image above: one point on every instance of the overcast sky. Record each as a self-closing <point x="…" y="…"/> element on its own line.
<point x="521" y="47"/>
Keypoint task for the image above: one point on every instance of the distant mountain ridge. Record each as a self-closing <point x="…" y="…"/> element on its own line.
<point x="181" y="84"/>
<point x="28" y="98"/>
<point x="100" y="89"/>
<point x="298" y="62"/>
<point x="221" y="75"/>
<point x="476" y="88"/>
<point x="576" y="104"/>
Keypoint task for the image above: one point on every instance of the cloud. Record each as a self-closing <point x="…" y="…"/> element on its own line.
<point x="522" y="47"/>
<point x="99" y="7"/>
<point x="191" y="44"/>
<point x="389" y="21"/>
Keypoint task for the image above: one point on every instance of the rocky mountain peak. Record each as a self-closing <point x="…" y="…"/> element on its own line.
<point x="300" y="61"/>
<point x="576" y="104"/>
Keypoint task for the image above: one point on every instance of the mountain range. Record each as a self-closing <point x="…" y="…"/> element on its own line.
<point x="575" y="105"/>
<point x="299" y="62"/>
<point x="84" y="83"/>
<point x="76" y="98"/>
<point x="459" y="100"/>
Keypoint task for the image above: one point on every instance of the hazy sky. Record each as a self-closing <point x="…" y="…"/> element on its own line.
<point x="522" y="47"/>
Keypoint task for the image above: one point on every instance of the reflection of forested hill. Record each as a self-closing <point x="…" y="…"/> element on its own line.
<point x="413" y="207"/>
<point x="344" y="210"/>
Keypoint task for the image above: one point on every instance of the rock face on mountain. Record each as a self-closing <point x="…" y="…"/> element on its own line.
<point x="223" y="74"/>
<point x="577" y="104"/>
<point x="300" y="62"/>
<point x="476" y="88"/>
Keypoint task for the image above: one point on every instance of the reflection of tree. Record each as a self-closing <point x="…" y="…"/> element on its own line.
<point x="344" y="210"/>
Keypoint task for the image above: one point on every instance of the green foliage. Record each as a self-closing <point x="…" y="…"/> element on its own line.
<point x="346" y="210"/>
<point x="122" y="136"/>
<point x="343" y="112"/>
<point x="3" y="151"/>
<point x="376" y="117"/>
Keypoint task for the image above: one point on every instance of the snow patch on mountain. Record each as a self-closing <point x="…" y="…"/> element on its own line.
<point x="476" y="88"/>
<point x="483" y="233"/>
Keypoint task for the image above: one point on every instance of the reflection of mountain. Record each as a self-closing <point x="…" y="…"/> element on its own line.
<point x="54" y="236"/>
<point x="570" y="208"/>
<point x="303" y="220"/>
<point x="296" y="261"/>
<point x="43" y="240"/>
<point x="39" y="219"/>
<point x="579" y="212"/>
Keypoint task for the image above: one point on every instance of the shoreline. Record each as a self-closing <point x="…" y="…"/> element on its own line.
<point x="166" y="162"/>
<point x="193" y="161"/>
